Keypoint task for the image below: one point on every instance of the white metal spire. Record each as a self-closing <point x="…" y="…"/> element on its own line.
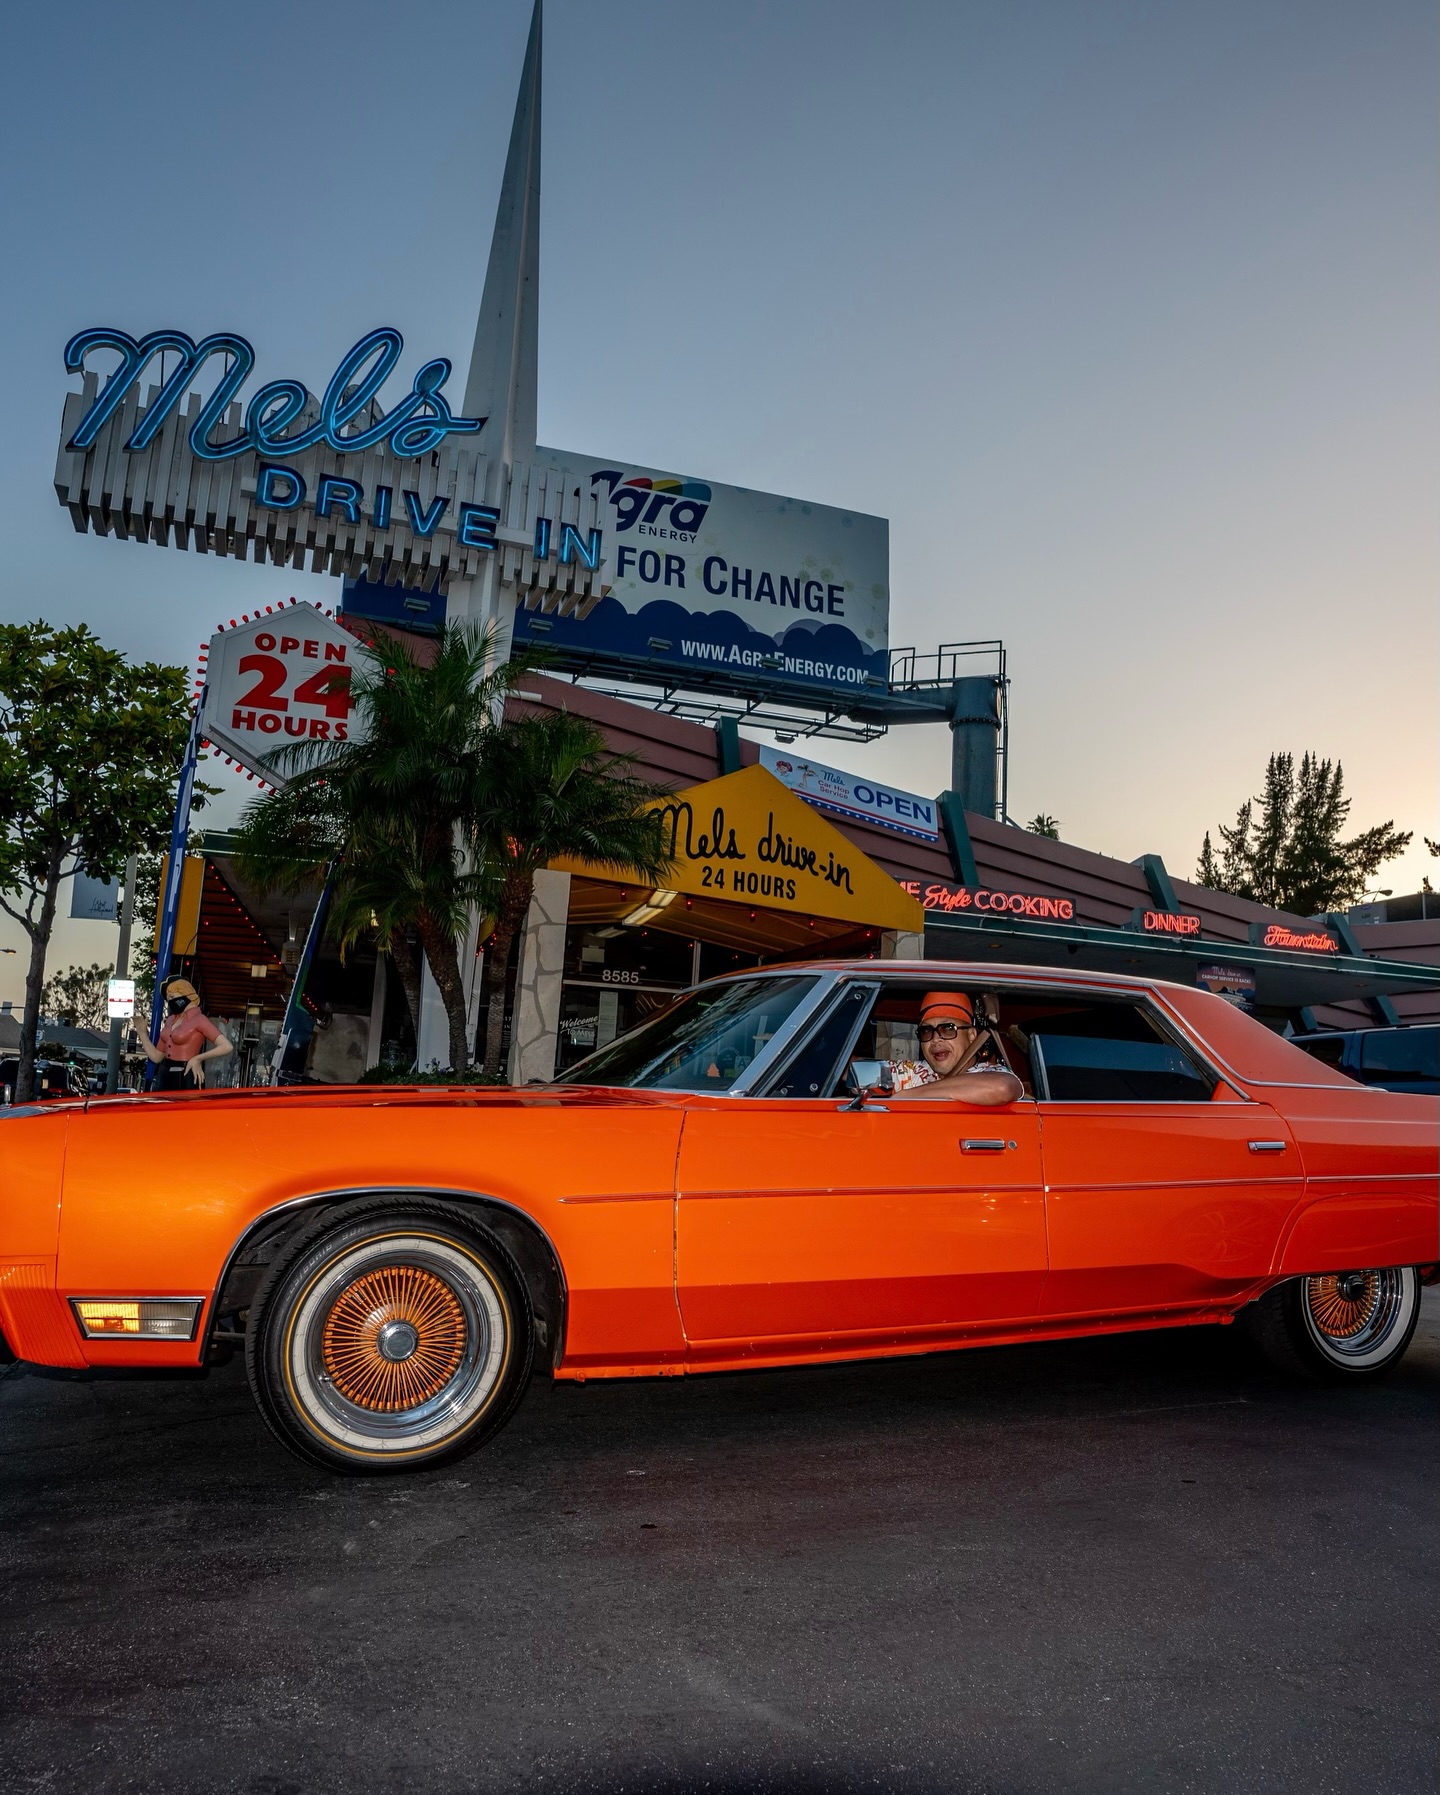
<point x="501" y="384"/>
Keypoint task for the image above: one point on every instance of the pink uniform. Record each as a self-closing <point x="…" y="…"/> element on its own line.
<point x="187" y="1034"/>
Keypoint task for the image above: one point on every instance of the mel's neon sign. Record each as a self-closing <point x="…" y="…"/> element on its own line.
<point x="943" y="897"/>
<point x="418" y="424"/>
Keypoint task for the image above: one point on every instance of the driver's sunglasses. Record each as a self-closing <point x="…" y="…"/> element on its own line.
<point x="947" y="1031"/>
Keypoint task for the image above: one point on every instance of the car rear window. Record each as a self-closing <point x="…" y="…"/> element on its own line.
<point x="1404" y="1052"/>
<point x="1096" y="1069"/>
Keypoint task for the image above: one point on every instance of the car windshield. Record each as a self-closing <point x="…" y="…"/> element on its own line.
<point x="704" y="1042"/>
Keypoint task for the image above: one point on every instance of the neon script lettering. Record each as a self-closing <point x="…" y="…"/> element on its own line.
<point x="1313" y="941"/>
<point x="943" y="897"/>
<point x="418" y="424"/>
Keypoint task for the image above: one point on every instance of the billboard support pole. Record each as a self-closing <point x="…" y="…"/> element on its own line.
<point x="174" y="873"/>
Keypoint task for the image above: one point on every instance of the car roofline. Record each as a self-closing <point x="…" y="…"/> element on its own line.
<point x="984" y="972"/>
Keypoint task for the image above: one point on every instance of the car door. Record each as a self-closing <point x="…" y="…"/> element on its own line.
<point x="1165" y="1190"/>
<point x="805" y="1225"/>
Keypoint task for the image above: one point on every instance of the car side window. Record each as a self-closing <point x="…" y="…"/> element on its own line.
<point x="1111" y="1053"/>
<point x="818" y="1063"/>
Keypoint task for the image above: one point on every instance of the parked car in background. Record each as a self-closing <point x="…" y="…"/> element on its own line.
<point x="1395" y="1059"/>
<point x="53" y="1078"/>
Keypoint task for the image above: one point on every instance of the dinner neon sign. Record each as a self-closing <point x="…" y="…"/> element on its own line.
<point x="1169" y="922"/>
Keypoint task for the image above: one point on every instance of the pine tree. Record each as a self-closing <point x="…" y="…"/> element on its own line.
<point x="1294" y="857"/>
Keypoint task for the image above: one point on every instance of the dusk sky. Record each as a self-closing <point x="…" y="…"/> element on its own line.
<point x="1123" y="314"/>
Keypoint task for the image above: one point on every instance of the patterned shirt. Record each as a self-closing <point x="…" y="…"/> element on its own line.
<point x="909" y="1075"/>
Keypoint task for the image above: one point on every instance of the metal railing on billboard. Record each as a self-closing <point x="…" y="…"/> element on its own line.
<point x="921" y="687"/>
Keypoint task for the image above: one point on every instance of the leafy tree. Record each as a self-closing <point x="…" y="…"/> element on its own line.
<point x="1048" y="826"/>
<point x="89" y="750"/>
<point x="1285" y="848"/>
<point x="552" y="787"/>
<point x="77" y="996"/>
<point x="392" y="811"/>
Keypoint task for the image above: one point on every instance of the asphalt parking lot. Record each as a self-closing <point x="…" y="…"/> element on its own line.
<point x="1126" y="1564"/>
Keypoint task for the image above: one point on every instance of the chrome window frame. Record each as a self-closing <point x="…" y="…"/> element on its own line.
<point x="1169" y="1024"/>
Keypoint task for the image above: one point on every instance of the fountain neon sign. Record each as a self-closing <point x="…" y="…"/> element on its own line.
<point x="418" y="424"/>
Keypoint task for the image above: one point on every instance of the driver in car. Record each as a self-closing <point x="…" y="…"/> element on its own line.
<point x="953" y="1066"/>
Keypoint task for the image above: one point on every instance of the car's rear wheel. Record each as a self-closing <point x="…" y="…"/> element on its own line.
<point x="397" y="1336"/>
<point x="1338" y="1325"/>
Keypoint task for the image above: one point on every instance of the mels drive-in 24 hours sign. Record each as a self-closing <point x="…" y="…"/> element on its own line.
<point x="724" y="581"/>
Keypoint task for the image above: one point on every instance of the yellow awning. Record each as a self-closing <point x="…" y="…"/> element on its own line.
<point x="747" y="839"/>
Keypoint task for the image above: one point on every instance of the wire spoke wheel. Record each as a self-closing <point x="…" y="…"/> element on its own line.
<point x="1337" y="1326"/>
<point x="1352" y="1315"/>
<point x="393" y="1341"/>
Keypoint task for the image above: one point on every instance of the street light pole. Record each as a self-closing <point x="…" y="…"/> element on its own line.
<point x="122" y="971"/>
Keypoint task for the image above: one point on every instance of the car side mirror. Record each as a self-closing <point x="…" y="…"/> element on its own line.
<point x="868" y="1078"/>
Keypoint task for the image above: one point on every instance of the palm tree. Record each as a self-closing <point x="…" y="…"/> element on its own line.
<point x="395" y="808"/>
<point x="552" y="788"/>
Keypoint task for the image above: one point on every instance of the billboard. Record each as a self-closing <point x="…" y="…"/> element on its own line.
<point x="723" y="583"/>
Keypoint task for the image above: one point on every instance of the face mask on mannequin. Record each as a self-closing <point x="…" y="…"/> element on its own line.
<point x="176" y="1005"/>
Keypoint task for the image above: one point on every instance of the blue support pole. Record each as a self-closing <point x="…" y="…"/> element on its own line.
<point x="302" y="971"/>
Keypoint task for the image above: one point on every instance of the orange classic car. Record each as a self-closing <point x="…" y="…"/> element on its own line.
<point x="743" y="1180"/>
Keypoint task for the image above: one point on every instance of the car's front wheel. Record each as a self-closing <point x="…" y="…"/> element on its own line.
<point x="395" y="1337"/>
<point x="1338" y="1325"/>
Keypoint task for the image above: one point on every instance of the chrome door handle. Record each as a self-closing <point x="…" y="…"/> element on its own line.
<point x="1267" y="1146"/>
<point x="982" y="1146"/>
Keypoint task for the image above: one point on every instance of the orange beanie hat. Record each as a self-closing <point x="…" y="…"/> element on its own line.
<point x="947" y="1006"/>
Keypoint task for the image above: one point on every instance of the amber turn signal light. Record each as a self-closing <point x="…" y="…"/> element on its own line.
<point x="143" y="1318"/>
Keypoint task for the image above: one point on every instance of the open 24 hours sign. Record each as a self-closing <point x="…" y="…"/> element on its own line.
<point x="277" y="678"/>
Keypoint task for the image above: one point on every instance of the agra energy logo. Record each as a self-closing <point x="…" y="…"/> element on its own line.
<point x="662" y="506"/>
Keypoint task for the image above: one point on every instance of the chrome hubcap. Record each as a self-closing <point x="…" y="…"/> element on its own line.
<point x="397" y="1341"/>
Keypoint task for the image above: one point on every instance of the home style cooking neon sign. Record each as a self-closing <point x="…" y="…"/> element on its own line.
<point x="942" y="896"/>
<point x="418" y="424"/>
